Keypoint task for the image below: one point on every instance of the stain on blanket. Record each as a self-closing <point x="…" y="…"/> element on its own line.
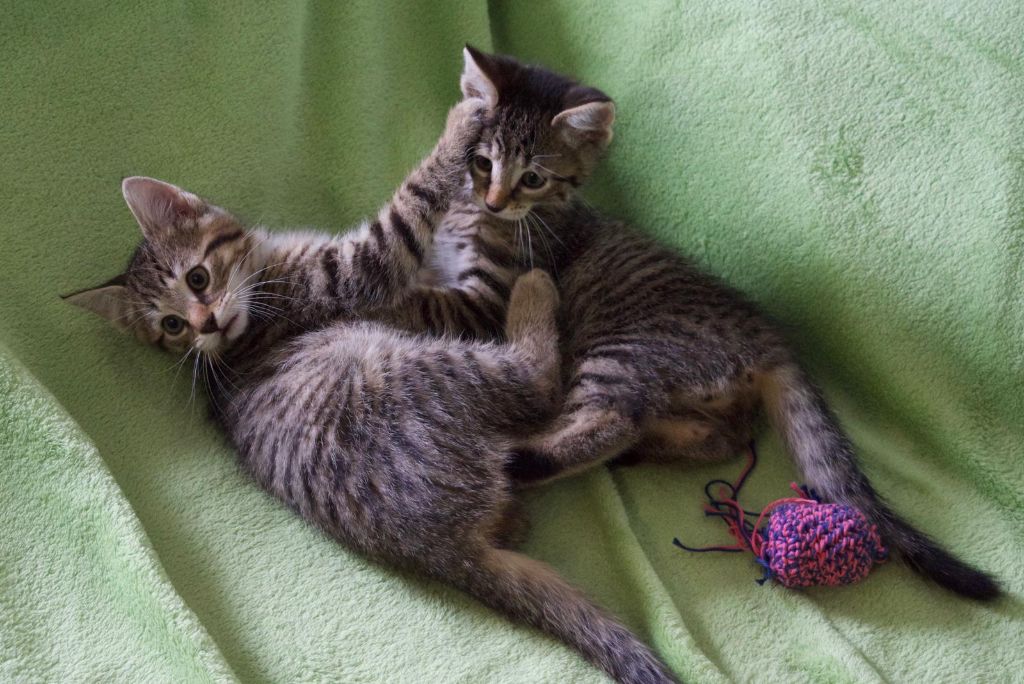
<point x="838" y="165"/>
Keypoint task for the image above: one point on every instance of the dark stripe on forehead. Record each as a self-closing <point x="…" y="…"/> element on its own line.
<point x="222" y="239"/>
<point x="148" y="289"/>
<point x="522" y="144"/>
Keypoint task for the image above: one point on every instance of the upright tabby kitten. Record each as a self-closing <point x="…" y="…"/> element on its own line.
<point x="392" y="443"/>
<point x="661" y="360"/>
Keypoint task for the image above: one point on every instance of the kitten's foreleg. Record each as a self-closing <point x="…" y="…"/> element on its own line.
<point x="459" y="313"/>
<point x="377" y="266"/>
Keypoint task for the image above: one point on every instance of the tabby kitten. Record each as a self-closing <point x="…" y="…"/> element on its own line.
<point x="661" y="360"/>
<point x="392" y="443"/>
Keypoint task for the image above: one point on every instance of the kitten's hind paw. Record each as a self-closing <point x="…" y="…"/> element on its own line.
<point x="535" y="288"/>
<point x="528" y="467"/>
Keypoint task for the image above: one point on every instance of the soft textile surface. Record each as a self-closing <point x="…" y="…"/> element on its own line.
<point x="858" y="167"/>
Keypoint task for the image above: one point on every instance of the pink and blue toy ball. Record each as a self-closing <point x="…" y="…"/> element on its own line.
<point x="815" y="544"/>
<point x="804" y="543"/>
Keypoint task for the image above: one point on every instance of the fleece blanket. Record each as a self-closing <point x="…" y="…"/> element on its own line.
<point x="858" y="167"/>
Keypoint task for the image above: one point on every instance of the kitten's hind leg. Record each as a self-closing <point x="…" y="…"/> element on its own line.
<point x="521" y="378"/>
<point x="531" y="328"/>
<point x="603" y="416"/>
<point x="694" y="437"/>
<point x="677" y="438"/>
<point x="578" y="440"/>
<point x="511" y="527"/>
<point x="528" y="590"/>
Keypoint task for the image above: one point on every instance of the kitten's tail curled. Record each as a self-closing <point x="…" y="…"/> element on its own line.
<point x="531" y="591"/>
<point x="825" y="457"/>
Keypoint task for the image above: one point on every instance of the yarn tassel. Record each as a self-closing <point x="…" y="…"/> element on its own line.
<point x="799" y="541"/>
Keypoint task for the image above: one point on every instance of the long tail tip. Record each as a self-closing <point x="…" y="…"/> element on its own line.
<point x="953" y="574"/>
<point x="975" y="585"/>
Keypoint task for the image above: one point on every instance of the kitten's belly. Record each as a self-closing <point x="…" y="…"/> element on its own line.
<point x="635" y="310"/>
<point x="333" y="433"/>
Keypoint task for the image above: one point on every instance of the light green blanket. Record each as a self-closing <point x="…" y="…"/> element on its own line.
<point x="858" y="167"/>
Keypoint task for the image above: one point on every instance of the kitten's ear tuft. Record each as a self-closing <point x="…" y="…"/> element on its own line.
<point x="587" y="123"/>
<point x="159" y="206"/>
<point x="477" y="76"/>
<point x="109" y="301"/>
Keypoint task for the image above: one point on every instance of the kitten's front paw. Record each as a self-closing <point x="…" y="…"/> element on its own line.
<point x="462" y="131"/>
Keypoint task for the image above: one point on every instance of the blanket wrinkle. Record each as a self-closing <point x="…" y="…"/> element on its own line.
<point x="113" y="546"/>
<point x="633" y="557"/>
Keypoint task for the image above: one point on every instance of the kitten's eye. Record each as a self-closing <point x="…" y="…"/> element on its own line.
<point x="533" y="180"/>
<point x="198" y="278"/>
<point x="482" y="163"/>
<point x="173" y="325"/>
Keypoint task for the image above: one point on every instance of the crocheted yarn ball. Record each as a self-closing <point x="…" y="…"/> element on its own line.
<point x="816" y="544"/>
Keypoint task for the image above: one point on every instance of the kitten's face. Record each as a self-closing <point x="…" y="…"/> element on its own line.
<point x="544" y="135"/>
<point x="186" y="286"/>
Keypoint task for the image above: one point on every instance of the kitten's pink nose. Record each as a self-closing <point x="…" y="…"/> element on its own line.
<point x="209" y="325"/>
<point x="497" y="198"/>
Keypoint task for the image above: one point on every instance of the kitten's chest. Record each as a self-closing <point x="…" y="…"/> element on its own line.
<point x="445" y="263"/>
<point x="455" y="249"/>
<point x="469" y="240"/>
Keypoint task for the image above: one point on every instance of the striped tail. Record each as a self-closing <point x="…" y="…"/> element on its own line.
<point x="825" y="457"/>
<point x="530" y="591"/>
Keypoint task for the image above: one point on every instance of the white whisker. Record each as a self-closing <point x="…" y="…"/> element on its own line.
<point x="180" y="362"/>
<point x="544" y="241"/>
<point x="544" y="168"/>
<point x="550" y="231"/>
<point x="529" y="240"/>
<point x="195" y="371"/>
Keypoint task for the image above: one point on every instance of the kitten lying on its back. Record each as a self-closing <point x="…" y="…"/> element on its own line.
<point x="662" y="360"/>
<point x="392" y="443"/>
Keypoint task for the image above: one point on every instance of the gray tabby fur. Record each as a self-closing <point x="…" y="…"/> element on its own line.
<point x="393" y="443"/>
<point x="660" y="359"/>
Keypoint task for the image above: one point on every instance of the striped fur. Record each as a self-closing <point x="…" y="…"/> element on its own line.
<point x="661" y="360"/>
<point x="393" y="443"/>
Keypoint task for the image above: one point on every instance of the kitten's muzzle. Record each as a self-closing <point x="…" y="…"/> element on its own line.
<point x="209" y="325"/>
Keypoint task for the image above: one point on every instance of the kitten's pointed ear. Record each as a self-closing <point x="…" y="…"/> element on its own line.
<point x="587" y="123"/>
<point x="109" y="300"/>
<point x="157" y="205"/>
<point x="475" y="81"/>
